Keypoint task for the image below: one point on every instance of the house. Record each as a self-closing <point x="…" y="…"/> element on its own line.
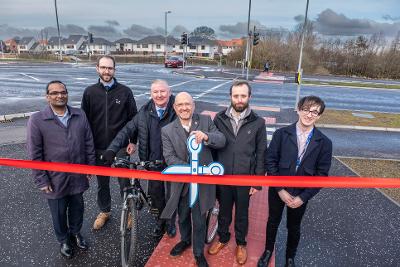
<point x="101" y="46"/>
<point x="53" y="44"/>
<point x="25" y="44"/>
<point x="72" y="44"/>
<point x="202" y="47"/>
<point x="227" y="46"/>
<point x="11" y="45"/>
<point x="125" y="45"/>
<point x="39" y="47"/>
<point x="155" y="45"/>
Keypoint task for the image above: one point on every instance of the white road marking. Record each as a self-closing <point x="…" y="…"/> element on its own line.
<point x="29" y="76"/>
<point x="210" y="90"/>
<point x="179" y="84"/>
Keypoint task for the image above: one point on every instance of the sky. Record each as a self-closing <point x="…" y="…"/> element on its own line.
<point x="129" y="18"/>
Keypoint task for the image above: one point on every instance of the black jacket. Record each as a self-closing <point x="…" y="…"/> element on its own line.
<point x="145" y="127"/>
<point x="244" y="153"/>
<point x="281" y="157"/>
<point x="108" y="111"/>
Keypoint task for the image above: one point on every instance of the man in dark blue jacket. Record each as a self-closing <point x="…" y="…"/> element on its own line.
<point x="302" y="150"/>
<point x="145" y="127"/>
<point x="60" y="133"/>
<point x="108" y="105"/>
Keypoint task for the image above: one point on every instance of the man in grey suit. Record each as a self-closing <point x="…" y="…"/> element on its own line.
<point x="174" y="139"/>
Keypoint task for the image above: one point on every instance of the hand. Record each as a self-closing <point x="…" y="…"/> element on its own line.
<point x="297" y="202"/>
<point x="108" y="157"/>
<point x="47" y="189"/>
<point x="252" y="191"/>
<point x="286" y="197"/>
<point x="200" y="136"/>
<point x="131" y="148"/>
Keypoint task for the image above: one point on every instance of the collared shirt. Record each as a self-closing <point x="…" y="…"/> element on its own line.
<point x="160" y="111"/>
<point x="63" y="118"/>
<point x="187" y="128"/>
<point x="108" y="85"/>
<point x="237" y="121"/>
<point x="302" y="139"/>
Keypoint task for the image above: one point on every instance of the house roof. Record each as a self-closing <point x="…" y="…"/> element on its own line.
<point x="196" y="40"/>
<point x="101" y="41"/>
<point x="26" y="40"/>
<point x="233" y="42"/>
<point x="72" y="39"/>
<point x="125" y="41"/>
<point x="158" y="39"/>
<point x="54" y="40"/>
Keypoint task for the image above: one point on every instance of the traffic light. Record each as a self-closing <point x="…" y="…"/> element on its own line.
<point x="90" y="35"/>
<point x="184" y="39"/>
<point x="297" y="77"/>
<point x="256" y="38"/>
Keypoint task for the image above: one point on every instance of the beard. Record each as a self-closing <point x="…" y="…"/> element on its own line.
<point x="240" y="108"/>
<point x="106" y="78"/>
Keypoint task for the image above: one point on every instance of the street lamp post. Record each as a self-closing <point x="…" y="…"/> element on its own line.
<point x="58" y="29"/>
<point x="299" y="69"/>
<point x="166" y="35"/>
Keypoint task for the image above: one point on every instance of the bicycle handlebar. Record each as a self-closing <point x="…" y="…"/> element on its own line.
<point x="148" y="164"/>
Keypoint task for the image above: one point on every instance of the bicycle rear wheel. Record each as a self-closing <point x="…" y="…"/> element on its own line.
<point x="212" y="223"/>
<point x="126" y="232"/>
<point x="134" y="235"/>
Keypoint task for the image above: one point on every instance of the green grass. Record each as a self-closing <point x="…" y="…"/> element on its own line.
<point x="354" y="84"/>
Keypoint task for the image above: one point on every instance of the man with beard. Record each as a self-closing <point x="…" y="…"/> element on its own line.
<point x="60" y="133"/>
<point x="108" y="105"/>
<point x="243" y="154"/>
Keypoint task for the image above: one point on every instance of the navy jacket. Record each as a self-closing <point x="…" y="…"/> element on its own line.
<point x="49" y="140"/>
<point x="281" y="157"/>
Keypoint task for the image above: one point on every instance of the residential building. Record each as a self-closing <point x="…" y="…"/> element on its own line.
<point x="101" y="46"/>
<point x="227" y="46"/>
<point x="125" y="45"/>
<point x="200" y="46"/>
<point x="155" y="45"/>
<point x="25" y="44"/>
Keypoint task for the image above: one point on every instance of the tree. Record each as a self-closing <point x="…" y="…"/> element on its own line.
<point x="203" y="31"/>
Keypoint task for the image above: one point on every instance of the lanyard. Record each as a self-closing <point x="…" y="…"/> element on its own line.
<point x="298" y="161"/>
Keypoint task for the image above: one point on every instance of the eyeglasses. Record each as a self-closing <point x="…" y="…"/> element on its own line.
<point x="54" y="93"/>
<point x="103" y="68"/>
<point x="314" y="113"/>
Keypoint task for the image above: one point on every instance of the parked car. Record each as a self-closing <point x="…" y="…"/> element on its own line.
<point x="174" y="62"/>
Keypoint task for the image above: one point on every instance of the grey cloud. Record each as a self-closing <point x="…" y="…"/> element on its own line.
<point x="138" y="31"/>
<point x="112" y="23"/>
<point x="104" y="31"/>
<point x="239" y="29"/>
<point x="7" y="31"/>
<point x="299" y="18"/>
<point x="159" y="30"/>
<point x="65" y="30"/>
<point x="329" y="22"/>
<point x="178" y="30"/>
<point x="388" y="17"/>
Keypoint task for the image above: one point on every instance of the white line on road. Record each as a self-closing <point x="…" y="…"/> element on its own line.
<point x="179" y="84"/>
<point x="210" y="90"/>
<point x="24" y="74"/>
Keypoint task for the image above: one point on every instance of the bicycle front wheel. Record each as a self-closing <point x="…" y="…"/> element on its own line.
<point x="126" y="232"/>
<point x="212" y="223"/>
<point x="134" y="235"/>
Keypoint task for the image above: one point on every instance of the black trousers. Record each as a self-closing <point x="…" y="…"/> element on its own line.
<point x="294" y="217"/>
<point x="160" y="192"/>
<point x="103" y="184"/>
<point x="67" y="215"/>
<point x="189" y="217"/>
<point x="227" y="197"/>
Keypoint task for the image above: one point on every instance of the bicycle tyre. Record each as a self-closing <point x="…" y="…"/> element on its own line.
<point x="134" y="236"/>
<point x="125" y="234"/>
<point x="212" y="223"/>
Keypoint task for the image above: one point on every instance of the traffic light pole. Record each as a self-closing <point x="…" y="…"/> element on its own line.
<point x="299" y="69"/>
<point x="246" y="63"/>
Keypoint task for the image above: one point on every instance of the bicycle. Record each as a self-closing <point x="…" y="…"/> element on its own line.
<point x="212" y="223"/>
<point x="134" y="200"/>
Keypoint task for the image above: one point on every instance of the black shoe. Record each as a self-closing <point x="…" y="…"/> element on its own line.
<point x="290" y="262"/>
<point x="66" y="250"/>
<point x="80" y="241"/>
<point x="158" y="231"/>
<point x="179" y="248"/>
<point x="201" y="261"/>
<point x="171" y="230"/>
<point x="264" y="260"/>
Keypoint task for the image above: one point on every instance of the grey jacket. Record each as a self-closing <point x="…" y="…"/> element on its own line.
<point x="49" y="140"/>
<point x="175" y="152"/>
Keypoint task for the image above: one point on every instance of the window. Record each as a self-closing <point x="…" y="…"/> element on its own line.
<point x="158" y="46"/>
<point x="138" y="46"/>
<point x="181" y="47"/>
<point x="192" y="47"/>
<point x="145" y="46"/>
<point x="203" y="47"/>
<point x="70" y="46"/>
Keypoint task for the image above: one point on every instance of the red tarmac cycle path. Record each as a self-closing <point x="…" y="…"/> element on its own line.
<point x="258" y="213"/>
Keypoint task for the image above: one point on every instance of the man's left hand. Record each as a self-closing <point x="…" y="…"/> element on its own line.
<point x="200" y="136"/>
<point x="297" y="202"/>
<point x="252" y="191"/>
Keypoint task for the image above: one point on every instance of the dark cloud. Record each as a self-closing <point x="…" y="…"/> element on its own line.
<point x="388" y="17"/>
<point x="112" y="23"/>
<point x="7" y="31"/>
<point x="329" y="22"/>
<point x="47" y="32"/>
<point x="299" y="18"/>
<point x="178" y="30"/>
<point x="138" y="31"/>
<point x="65" y="30"/>
<point x="104" y="31"/>
<point x="239" y="29"/>
<point x="159" y="30"/>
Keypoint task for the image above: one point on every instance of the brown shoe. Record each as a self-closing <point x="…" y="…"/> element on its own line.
<point x="101" y="219"/>
<point x="216" y="247"/>
<point x="241" y="255"/>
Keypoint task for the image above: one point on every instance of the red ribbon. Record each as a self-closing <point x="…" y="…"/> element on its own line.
<point x="242" y="180"/>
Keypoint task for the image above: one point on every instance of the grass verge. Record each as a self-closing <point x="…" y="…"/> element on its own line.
<point x="376" y="168"/>
<point x="346" y="117"/>
<point x="354" y="84"/>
